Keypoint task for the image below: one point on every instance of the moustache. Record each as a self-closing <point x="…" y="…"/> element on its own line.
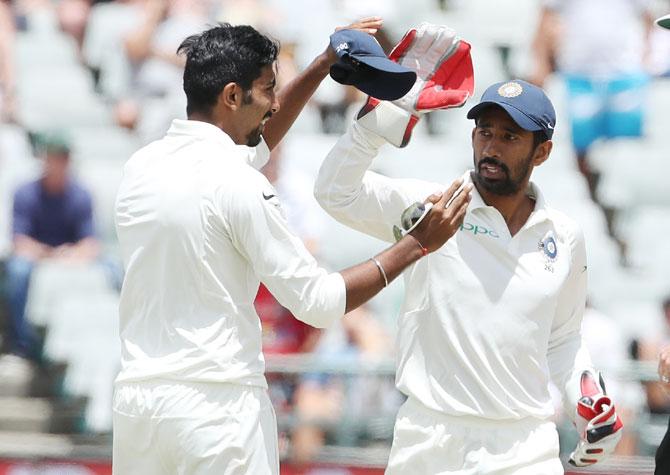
<point x="495" y="162"/>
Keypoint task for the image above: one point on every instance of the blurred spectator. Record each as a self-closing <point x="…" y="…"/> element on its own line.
<point x="658" y="398"/>
<point x="344" y="408"/>
<point x="52" y="219"/>
<point x="663" y="451"/>
<point x="7" y="72"/>
<point x="73" y="17"/>
<point x="155" y="91"/>
<point x="600" y="47"/>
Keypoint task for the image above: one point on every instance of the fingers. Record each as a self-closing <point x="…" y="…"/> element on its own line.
<point x="459" y="216"/>
<point x="462" y="196"/>
<point x="664" y="365"/>
<point x="446" y="196"/>
<point x="434" y="198"/>
<point x="368" y="25"/>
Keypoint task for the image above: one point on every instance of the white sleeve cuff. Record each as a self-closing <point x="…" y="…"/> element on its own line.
<point x="366" y="138"/>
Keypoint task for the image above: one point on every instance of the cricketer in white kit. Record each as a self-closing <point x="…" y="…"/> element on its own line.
<point x="199" y="227"/>
<point x="492" y="316"/>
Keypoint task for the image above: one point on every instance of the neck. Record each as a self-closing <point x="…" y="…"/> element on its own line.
<point x="53" y="186"/>
<point x="515" y="209"/>
<point x="220" y="122"/>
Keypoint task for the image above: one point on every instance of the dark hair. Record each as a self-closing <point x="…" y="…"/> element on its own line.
<point x="221" y="55"/>
<point x="539" y="137"/>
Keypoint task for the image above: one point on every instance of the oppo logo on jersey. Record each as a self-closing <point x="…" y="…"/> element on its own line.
<point x="476" y="229"/>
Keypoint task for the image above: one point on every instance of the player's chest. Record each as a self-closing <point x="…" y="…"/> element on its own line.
<point x="483" y="258"/>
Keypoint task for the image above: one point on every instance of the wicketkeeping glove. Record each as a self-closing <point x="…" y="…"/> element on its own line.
<point x="597" y="422"/>
<point x="445" y="79"/>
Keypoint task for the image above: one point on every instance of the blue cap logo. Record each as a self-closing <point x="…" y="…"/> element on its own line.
<point x="525" y="103"/>
<point x="510" y="89"/>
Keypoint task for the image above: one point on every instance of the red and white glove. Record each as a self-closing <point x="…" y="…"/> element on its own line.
<point x="596" y="421"/>
<point x="445" y="79"/>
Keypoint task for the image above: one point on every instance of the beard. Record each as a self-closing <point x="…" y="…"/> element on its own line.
<point x="512" y="181"/>
<point x="254" y="137"/>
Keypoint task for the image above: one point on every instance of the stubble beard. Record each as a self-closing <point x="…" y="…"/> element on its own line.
<point x="507" y="186"/>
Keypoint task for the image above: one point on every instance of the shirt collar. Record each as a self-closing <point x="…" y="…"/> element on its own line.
<point x="198" y="129"/>
<point x="538" y="215"/>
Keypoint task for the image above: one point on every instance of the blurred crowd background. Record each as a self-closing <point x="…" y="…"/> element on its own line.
<point x="84" y="83"/>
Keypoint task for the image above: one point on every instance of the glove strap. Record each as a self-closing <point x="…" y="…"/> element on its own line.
<point x="389" y="121"/>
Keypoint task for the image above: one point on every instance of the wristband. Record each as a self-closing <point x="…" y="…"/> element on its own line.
<point x="381" y="271"/>
<point x="424" y="250"/>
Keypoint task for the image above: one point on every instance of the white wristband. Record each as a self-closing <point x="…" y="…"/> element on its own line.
<point x="381" y="271"/>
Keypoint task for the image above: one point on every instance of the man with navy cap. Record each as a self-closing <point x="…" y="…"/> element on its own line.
<point x="493" y="315"/>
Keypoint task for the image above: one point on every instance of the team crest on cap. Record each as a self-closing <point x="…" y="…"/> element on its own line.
<point x="510" y="89"/>
<point x="549" y="250"/>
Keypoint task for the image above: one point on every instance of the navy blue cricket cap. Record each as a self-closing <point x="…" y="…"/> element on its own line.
<point x="363" y="64"/>
<point x="526" y="103"/>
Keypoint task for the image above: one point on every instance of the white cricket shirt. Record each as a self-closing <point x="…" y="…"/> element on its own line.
<point x="199" y="228"/>
<point x="488" y="318"/>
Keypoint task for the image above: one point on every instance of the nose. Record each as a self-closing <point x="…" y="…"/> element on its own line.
<point x="491" y="148"/>
<point x="275" y="105"/>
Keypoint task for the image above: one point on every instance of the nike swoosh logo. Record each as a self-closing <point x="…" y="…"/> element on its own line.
<point x="267" y="197"/>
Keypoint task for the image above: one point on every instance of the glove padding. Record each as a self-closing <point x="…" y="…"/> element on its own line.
<point x="596" y="421"/>
<point x="445" y="79"/>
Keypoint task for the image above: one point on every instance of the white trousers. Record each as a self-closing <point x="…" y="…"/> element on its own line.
<point x="427" y="442"/>
<point x="168" y="428"/>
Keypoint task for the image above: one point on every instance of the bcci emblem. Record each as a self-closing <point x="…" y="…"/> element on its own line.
<point x="510" y="89"/>
<point x="549" y="249"/>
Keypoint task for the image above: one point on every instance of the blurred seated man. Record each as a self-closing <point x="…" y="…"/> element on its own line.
<point x="663" y="451"/>
<point x="346" y="409"/>
<point x="52" y="219"/>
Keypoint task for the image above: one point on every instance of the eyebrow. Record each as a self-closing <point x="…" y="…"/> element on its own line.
<point x="508" y="128"/>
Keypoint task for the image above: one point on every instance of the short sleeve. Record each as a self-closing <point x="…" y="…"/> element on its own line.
<point x="84" y="225"/>
<point x="23" y="213"/>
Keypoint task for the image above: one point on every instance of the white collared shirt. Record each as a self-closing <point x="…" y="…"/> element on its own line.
<point x="488" y="318"/>
<point x="199" y="227"/>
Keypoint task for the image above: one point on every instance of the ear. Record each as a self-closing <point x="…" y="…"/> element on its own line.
<point x="231" y="96"/>
<point x="542" y="152"/>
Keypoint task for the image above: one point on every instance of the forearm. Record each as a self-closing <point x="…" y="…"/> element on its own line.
<point x="543" y="45"/>
<point x="365" y="280"/>
<point x="29" y="248"/>
<point x="566" y="364"/>
<point x="87" y="248"/>
<point x="84" y="250"/>
<point x="6" y="49"/>
<point x="357" y="198"/>
<point x="293" y="98"/>
<point x="138" y="43"/>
